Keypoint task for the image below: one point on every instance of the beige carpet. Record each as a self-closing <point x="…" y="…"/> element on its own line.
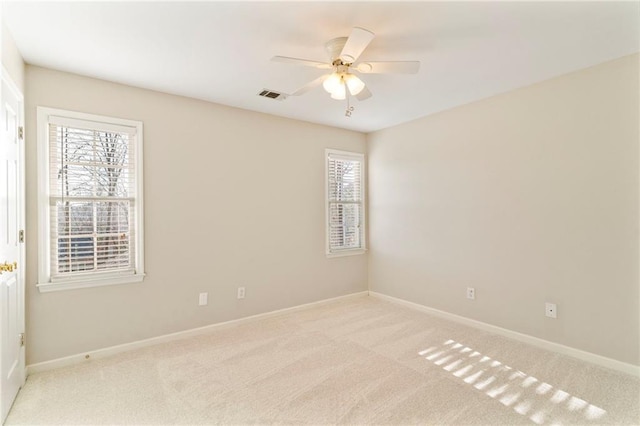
<point x="357" y="361"/>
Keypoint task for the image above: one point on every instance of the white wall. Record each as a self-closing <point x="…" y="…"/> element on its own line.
<point x="530" y="196"/>
<point x="232" y="198"/>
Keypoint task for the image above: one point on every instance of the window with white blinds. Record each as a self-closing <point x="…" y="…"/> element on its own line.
<point x="91" y="200"/>
<point x="345" y="202"/>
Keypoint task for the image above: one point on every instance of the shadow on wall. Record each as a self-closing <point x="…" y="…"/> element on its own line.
<point x="526" y="395"/>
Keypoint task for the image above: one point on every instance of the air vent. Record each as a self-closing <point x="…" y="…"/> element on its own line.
<point x="272" y="95"/>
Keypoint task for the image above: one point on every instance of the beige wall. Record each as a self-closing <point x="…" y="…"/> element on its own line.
<point x="530" y="196"/>
<point x="232" y="198"/>
<point x="11" y="58"/>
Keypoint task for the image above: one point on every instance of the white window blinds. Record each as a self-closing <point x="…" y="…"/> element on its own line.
<point x="90" y="213"/>
<point x="345" y="201"/>
<point x="92" y="199"/>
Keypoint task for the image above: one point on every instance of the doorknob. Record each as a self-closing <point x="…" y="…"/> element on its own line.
<point x="9" y="267"/>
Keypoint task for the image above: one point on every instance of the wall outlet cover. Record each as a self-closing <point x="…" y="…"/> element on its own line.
<point x="551" y="310"/>
<point x="203" y="299"/>
<point x="471" y="293"/>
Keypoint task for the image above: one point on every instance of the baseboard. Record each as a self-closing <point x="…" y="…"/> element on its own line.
<point x="525" y="338"/>
<point x="112" y="350"/>
<point x="534" y="341"/>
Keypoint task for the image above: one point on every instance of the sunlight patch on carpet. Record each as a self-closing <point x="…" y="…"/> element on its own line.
<point x="525" y="394"/>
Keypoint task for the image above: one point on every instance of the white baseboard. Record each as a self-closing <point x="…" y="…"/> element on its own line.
<point x="112" y="350"/>
<point x="525" y="338"/>
<point x="534" y="341"/>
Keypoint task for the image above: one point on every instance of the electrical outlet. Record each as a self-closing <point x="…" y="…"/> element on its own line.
<point x="551" y="310"/>
<point x="203" y="299"/>
<point x="471" y="293"/>
<point x="240" y="292"/>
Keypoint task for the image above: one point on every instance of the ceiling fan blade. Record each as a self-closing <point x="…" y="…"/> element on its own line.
<point x="389" y="67"/>
<point x="304" y="62"/>
<point x="355" y="45"/>
<point x="364" y="94"/>
<point x="311" y="85"/>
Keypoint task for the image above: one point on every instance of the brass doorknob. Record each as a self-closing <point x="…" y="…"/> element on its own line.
<point x="9" y="267"/>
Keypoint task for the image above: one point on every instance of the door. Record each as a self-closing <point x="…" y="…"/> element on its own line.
<point x="11" y="247"/>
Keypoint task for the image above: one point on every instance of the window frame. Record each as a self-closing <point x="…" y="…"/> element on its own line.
<point x="88" y="279"/>
<point x="356" y="156"/>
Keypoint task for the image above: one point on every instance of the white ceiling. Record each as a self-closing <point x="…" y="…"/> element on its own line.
<point x="221" y="51"/>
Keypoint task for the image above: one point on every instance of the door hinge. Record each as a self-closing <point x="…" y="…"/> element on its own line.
<point x="21" y="132"/>
<point x="21" y="236"/>
<point x="21" y="339"/>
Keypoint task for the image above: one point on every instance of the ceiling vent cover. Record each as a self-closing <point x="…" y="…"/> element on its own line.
<point x="272" y="95"/>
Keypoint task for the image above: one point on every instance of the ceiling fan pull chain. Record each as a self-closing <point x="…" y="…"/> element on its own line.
<point x="349" y="109"/>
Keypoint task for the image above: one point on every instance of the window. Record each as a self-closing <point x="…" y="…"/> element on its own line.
<point x="345" y="203"/>
<point x="90" y="200"/>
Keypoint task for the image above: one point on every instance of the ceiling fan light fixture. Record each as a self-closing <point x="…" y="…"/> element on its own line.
<point x="332" y="83"/>
<point x="337" y="84"/>
<point x="354" y="84"/>
<point x="340" y="93"/>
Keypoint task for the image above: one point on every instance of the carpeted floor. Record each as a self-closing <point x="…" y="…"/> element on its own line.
<point x="356" y="361"/>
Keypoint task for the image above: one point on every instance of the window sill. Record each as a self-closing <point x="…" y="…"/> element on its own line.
<point x="89" y="282"/>
<point x="346" y="253"/>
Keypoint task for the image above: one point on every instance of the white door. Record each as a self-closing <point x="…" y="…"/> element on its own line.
<point x="11" y="247"/>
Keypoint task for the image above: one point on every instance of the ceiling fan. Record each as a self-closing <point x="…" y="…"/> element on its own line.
<point x="343" y="54"/>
